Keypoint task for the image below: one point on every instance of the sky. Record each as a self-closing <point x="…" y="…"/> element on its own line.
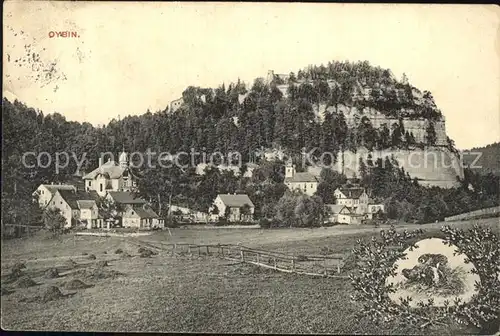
<point x="130" y="57"/>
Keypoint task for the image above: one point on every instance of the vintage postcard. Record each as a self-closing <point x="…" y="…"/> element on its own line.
<point x="274" y="168"/>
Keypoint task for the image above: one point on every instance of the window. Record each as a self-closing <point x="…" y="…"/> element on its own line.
<point x="100" y="187"/>
<point x="90" y="183"/>
<point x="311" y="185"/>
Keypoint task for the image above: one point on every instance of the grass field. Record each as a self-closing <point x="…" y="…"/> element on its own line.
<point x="189" y="294"/>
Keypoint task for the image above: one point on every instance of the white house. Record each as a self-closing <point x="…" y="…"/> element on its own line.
<point x="77" y="207"/>
<point x="305" y="182"/>
<point x="357" y="202"/>
<point x="235" y="204"/>
<point x="250" y="167"/>
<point x="337" y="214"/>
<point x="356" y="199"/>
<point x="45" y="192"/>
<point x="176" y="104"/>
<point x="195" y="216"/>
<point x="110" y="176"/>
<point x="141" y="217"/>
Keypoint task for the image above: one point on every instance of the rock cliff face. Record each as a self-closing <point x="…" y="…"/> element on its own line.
<point x="416" y="126"/>
<point x="432" y="166"/>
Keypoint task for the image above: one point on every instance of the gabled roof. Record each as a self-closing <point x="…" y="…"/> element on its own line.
<point x="145" y="212"/>
<point x="72" y="197"/>
<point x="237" y="201"/>
<point x="86" y="204"/>
<point x="336" y="208"/>
<point x="109" y="169"/>
<point x="352" y="192"/>
<point x="52" y="188"/>
<point x="125" y="197"/>
<point x="301" y="177"/>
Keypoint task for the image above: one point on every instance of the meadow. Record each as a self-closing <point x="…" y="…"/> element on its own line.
<point x="188" y="293"/>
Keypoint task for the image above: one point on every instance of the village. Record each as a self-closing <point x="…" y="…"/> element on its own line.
<point x="108" y="199"/>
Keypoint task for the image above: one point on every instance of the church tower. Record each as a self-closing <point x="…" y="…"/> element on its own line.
<point x="289" y="169"/>
<point x="123" y="159"/>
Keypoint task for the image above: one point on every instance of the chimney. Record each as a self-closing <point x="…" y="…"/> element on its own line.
<point x="100" y="161"/>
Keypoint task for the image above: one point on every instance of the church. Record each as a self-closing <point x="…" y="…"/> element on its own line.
<point x="305" y="182"/>
<point x="110" y="176"/>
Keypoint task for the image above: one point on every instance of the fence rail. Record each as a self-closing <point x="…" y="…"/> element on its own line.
<point x="325" y="266"/>
<point x="475" y="213"/>
<point x="18" y="230"/>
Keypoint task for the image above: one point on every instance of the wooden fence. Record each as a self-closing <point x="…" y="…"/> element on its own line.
<point x="472" y="214"/>
<point x="18" y="230"/>
<point x="315" y="265"/>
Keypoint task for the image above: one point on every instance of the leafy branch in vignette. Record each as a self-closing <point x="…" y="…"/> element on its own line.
<point x="376" y="261"/>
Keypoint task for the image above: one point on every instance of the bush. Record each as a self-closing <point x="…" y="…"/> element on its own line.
<point x="265" y="223"/>
<point x="273" y="223"/>
<point x="51" y="273"/>
<point x="54" y="221"/>
<point x="171" y="222"/>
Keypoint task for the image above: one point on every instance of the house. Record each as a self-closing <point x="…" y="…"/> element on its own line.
<point x="250" y="167"/>
<point x="141" y="217"/>
<point x="176" y="104"/>
<point x="337" y="214"/>
<point x="240" y="207"/>
<point x="125" y="199"/>
<point x="354" y="198"/>
<point x="374" y="209"/>
<point x="271" y="154"/>
<point x="305" y="182"/>
<point x="135" y="211"/>
<point x="189" y="214"/>
<point x="45" y="192"/>
<point x="77" y="207"/>
<point x="110" y="176"/>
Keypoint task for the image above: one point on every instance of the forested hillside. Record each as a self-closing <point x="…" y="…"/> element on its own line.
<point x="215" y="120"/>
<point x="484" y="160"/>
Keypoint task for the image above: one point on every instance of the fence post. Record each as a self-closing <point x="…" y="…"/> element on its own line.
<point x="258" y="257"/>
<point x="242" y="254"/>
<point x="338" y="268"/>
<point x="207" y="251"/>
<point x="199" y="251"/>
<point x="222" y="251"/>
<point x="175" y="249"/>
<point x="293" y="262"/>
<point x="324" y="264"/>
<point x="275" y="266"/>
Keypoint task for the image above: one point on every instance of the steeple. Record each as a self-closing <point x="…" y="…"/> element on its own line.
<point x="123" y="159"/>
<point x="289" y="168"/>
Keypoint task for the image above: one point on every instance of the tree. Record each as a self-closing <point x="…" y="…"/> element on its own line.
<point x="396" y="135"/>
<point x="245" y="212"/>
<point x="309" y="211"/>
<point x="430" y="134"/>
<point x="54" y="221"/>
<point x="227" y="213"/>
<point x="329" y="181"/>
<point x="363" y="170"/>
<point x="299" y="210"/>
<point x="215" y="210"/>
